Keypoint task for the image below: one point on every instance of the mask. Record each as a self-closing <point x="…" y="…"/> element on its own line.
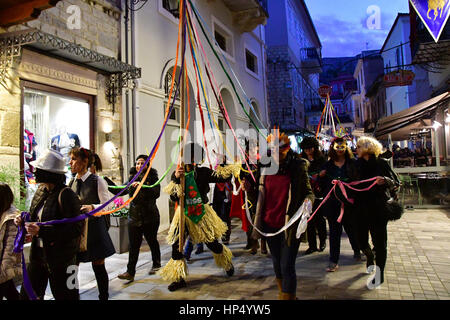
<point x="340" y="146"/>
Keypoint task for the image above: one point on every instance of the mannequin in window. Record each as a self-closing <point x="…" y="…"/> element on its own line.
<point x="64" y="141"/>
<point x="29" y="153"/>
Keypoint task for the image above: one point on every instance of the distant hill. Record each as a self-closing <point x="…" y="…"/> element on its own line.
<point x="333" y="67"/>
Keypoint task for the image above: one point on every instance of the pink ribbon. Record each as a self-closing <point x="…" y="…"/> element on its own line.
<point x="342" y="186"/>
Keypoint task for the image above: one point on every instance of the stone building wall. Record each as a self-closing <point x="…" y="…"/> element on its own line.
<point x="99" y="31"/>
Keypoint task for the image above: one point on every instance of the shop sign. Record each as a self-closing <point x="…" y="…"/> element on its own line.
<point x="398" y="78"/>
<point x="324" y="91"/>
<point x="434" y="15"/>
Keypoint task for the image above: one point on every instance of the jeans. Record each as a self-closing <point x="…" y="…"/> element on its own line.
<point x="283" y="259"/>
<point x="378" y="231"/>
<point x="317" y="223"/>
<point x="333" y="211"/>
<point x="190" y="246"/>
<point x="150" y="232"/>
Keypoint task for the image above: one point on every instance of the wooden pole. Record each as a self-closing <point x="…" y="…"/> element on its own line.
<point x="182" y="125"/>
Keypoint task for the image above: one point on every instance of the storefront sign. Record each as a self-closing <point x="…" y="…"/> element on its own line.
<point x="398" y="78"/>
<point x="434" y="15"/>
<point x="324" y="91"/>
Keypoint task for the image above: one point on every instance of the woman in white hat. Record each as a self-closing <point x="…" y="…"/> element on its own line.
<point x="53" y="247"/>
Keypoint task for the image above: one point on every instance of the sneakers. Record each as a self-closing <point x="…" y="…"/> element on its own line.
<point x="177" y="285"/>
<point x="310" y="250"/>
<point x="154" y="269"/>
<point x="126" y="276"/>
<point x="230" y="272"/>
<point x="332" y="267"/>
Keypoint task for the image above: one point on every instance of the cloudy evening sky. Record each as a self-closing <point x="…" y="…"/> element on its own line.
<point x="342" y="24"/>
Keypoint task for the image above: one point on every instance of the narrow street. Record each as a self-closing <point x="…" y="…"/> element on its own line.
<point x="417" y="268"/>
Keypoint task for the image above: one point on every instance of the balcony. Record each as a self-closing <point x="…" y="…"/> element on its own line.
<point x="312" y="60"/>
<point x="247" y="14"/>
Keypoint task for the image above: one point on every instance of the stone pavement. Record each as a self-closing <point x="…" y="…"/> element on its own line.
<point x="417" y="268"/>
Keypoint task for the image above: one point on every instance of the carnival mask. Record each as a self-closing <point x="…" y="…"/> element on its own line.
<point x="340" y="146"/>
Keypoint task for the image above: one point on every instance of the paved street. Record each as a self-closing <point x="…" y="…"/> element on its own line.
<point x="417" y="268"/>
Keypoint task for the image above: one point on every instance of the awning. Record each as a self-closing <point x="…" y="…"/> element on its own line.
<point x="121" y="75"/>
<point x="400" y="124"/>
<point x="11" y="42"/>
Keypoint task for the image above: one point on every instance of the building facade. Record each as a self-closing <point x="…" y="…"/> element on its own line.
<point x="367" y="70"/>
<point x="238" y="29"/>
<point x="294" y="61"/>
<point x="61" y="79"/>
<point x="396" y="55"/>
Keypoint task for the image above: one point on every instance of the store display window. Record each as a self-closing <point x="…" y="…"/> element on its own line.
<point x="54" y="121"/>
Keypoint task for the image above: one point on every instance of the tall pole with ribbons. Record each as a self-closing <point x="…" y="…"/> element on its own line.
<point x="182" y="127"/>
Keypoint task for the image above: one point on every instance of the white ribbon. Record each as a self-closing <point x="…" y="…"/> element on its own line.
<point x="303" y="212"/>
<point x="235" y="192"/>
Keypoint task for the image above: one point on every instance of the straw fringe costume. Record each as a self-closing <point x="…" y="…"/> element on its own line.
<point x="208" y="230"/>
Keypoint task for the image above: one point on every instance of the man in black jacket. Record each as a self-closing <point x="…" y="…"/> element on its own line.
<point x="143" y="220"/>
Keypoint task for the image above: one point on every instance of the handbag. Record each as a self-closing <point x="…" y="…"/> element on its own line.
<point x="84" y="232"/>
<point x="394" y="209"/>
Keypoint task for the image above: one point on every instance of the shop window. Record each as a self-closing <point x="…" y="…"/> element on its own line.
<point x="55" y="121"/>
<point x="251" y="61"/>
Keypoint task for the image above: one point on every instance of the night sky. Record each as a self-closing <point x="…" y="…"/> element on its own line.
<point x="342" y="24"/>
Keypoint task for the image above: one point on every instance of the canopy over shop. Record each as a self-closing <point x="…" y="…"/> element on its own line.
<point x="420" y="140"/>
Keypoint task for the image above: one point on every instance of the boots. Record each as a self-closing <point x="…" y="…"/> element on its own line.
<point x="280" y="290"/>
<point x="288" y="296"/>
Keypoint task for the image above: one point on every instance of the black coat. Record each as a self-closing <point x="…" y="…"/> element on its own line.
<point x="60" y="242"/>
<point x="371" y="204"/>
<point x="143" y="208"/>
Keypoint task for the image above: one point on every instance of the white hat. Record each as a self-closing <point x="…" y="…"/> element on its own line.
<point x="51" y="161"/>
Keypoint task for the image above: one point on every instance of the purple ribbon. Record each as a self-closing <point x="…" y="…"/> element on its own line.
<point x="20" y="237"/>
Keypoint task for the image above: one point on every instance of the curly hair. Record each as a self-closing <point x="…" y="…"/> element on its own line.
<point x="369" y="145"/>
<point x="332" y="154"/>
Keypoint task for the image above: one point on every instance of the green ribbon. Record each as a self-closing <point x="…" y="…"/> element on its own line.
<point x="193" y="204"/>
<point x="162" y="177"/>
<point x="223" y="68"/>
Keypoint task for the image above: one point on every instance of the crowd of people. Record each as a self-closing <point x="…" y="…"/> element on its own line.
<point x="276" y="198"/>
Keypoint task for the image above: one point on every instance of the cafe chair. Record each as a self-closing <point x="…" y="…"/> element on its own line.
<point x="407" y="182"/>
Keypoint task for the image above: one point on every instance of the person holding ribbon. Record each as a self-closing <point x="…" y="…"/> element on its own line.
<point x="341" y="166"/>
<point x="312" y="153"/>
<point x="202" y="224"/>
<point x="10" y="262"/>
<point x="54" y="247"/>
<point x="92" y="191"/>
<point x="143" y="219"/>
<point x="281" y="195"/>
<point x="372" y="204"/>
